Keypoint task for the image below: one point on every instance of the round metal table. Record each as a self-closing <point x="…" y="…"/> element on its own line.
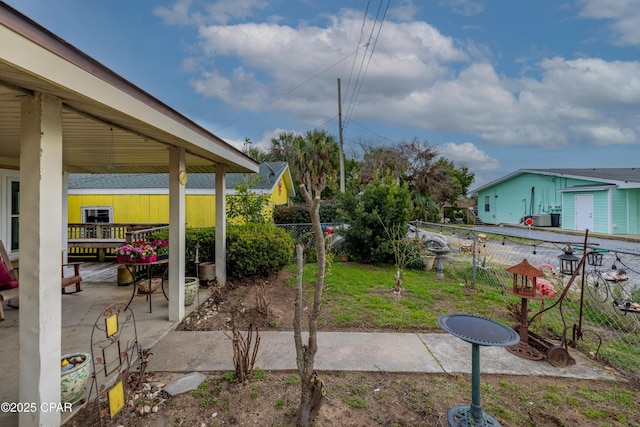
<point x="479" y="331"/>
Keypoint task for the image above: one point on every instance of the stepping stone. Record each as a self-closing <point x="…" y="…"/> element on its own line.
<point x="185" y="383"/>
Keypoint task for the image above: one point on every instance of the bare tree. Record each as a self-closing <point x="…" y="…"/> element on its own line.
<point x="315" y="166"/>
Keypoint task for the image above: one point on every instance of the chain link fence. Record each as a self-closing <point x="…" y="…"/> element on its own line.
<point x="603" y="321"/>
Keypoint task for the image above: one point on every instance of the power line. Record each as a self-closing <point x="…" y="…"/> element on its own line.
<point x="357" y="88"/>
<point x="285" y="93"/>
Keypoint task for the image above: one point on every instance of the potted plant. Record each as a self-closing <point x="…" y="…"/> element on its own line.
<point x="75" y="371"/>
<point x="162" y="248"/>
<point x="138" y="251"/>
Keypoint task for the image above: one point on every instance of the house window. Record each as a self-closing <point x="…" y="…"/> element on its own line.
<point x="14" y="215"/>
<point x="93" y="214"/>
<point x="487" y="203"/>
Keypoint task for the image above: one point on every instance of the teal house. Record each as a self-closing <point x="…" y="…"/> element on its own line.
<point x="602" y="200"/>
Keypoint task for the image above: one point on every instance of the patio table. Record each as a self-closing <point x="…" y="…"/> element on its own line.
<point x="142" y="270"/>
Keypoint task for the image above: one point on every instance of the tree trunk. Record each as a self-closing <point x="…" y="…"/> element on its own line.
<point x="311" y="387"/>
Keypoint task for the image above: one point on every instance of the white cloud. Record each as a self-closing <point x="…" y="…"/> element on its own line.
<point x="464" y="7"/>
<point x="184" y="12"/>
<point x="624" y="17"/>
<point x="467" y="154"/>
<point x="403" y="11"/>
<point x="417" y="77"/>
<point x="223" y="11"/>
<point x="605" y="135"/>
<point x="178" y="14"/>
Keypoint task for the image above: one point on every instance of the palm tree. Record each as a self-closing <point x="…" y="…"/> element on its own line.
<point x="315" y="165"/>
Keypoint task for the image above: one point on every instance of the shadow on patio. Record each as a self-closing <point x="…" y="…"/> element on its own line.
<point x="79" y="313"/>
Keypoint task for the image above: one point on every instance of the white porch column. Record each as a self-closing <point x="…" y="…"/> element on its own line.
<point x="221" y="225"/>
<point x="40" y="240"/>
<point x="177" y="219"/>
<point x="65" y="217"/>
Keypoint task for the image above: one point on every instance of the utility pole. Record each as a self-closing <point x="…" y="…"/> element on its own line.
<point x="340" y="139"/>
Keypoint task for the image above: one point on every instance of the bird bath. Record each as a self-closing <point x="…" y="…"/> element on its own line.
<point x="440" y="252"/>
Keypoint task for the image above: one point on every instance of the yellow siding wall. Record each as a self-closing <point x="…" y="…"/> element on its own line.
<point x="283" y="197"/>
<point x="154" y="208"/>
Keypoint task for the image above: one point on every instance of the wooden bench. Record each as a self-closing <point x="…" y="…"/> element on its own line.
<point x="100" y="244"/>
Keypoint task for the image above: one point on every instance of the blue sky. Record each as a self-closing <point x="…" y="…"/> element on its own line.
<point x="493" y="85"/>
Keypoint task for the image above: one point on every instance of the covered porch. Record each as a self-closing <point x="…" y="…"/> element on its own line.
<point x="63" y="112"/>
<point x="79" y="313"/>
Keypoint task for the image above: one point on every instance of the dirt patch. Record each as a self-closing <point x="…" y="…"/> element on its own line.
<point x="356" y="399"/>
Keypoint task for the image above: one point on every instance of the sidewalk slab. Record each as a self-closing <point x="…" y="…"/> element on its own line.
<point x="186" y="351"/>
<point x="454" y="355"/>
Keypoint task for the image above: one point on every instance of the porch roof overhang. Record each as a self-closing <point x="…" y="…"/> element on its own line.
<point x="109" y="125"/>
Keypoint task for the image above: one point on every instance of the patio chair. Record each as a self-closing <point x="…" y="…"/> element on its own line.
<point x="8" y="280"/>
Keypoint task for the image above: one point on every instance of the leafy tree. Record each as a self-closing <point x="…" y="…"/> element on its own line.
<point x="314" y="165"/>
<point x="284" y="149"/>
<point x="247" y="205"/>
<point x="254" y="152"/>
<point x="380" y="159"/>
<point x="432" y="180"/>
<point x="383" y="204"/>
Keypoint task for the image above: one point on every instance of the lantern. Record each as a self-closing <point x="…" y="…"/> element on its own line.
<point x="568" y="261"/>
<point x="524" y="278"/>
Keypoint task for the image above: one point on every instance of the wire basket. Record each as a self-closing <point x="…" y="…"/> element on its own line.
<point x="147" y="286"/>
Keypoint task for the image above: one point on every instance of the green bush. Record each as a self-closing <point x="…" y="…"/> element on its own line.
<point x="206" y="236"/>
<point x="252" y="249"/>
<point x="299" y="214"/>
<point x="383" y="201"/>
<point x="257" y="250"/>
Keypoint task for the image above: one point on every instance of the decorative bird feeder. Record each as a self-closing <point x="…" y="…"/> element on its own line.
<point x="568" y="261"/>
<point x="524" y="278"/>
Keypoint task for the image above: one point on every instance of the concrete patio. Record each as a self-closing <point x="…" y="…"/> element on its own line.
<point x="79" y="313"/>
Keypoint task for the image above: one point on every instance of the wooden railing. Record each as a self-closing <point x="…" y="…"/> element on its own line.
<point x="143" y="234"/>
<point x="96" y="240"/>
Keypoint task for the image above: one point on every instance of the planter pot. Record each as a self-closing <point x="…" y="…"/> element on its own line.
<point x="428" y="261"/>
<point x="152" y="258"/>
<point x="190" y="289"/>
<point x="124" y="258"/>
<point x="207" y="271"/>
<point x="344" y="258"/>
<point x="73" y="381"/>
<point x="124" y="276"/>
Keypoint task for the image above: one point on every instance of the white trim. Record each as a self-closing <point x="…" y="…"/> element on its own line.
<point x="129" y="191"/>
<point x="605" y="187"/>
<point x="610" y="209"/>
<point x="83" y="210"/>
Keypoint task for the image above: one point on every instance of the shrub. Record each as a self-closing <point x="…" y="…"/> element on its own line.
<point x="299" y="214"/>
<point x="383" y="201"/>
<point x="206" y="236"/>
<point x="257" y="250"/>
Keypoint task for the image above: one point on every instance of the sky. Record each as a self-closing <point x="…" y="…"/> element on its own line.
<point x="495" y="86"/>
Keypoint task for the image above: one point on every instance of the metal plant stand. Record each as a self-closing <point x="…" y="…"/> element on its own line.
<point x="523" y="349"/>
<point x="477" y="331"/>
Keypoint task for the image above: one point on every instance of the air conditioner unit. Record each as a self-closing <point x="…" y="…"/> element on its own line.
<point x="541" y="220"/>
